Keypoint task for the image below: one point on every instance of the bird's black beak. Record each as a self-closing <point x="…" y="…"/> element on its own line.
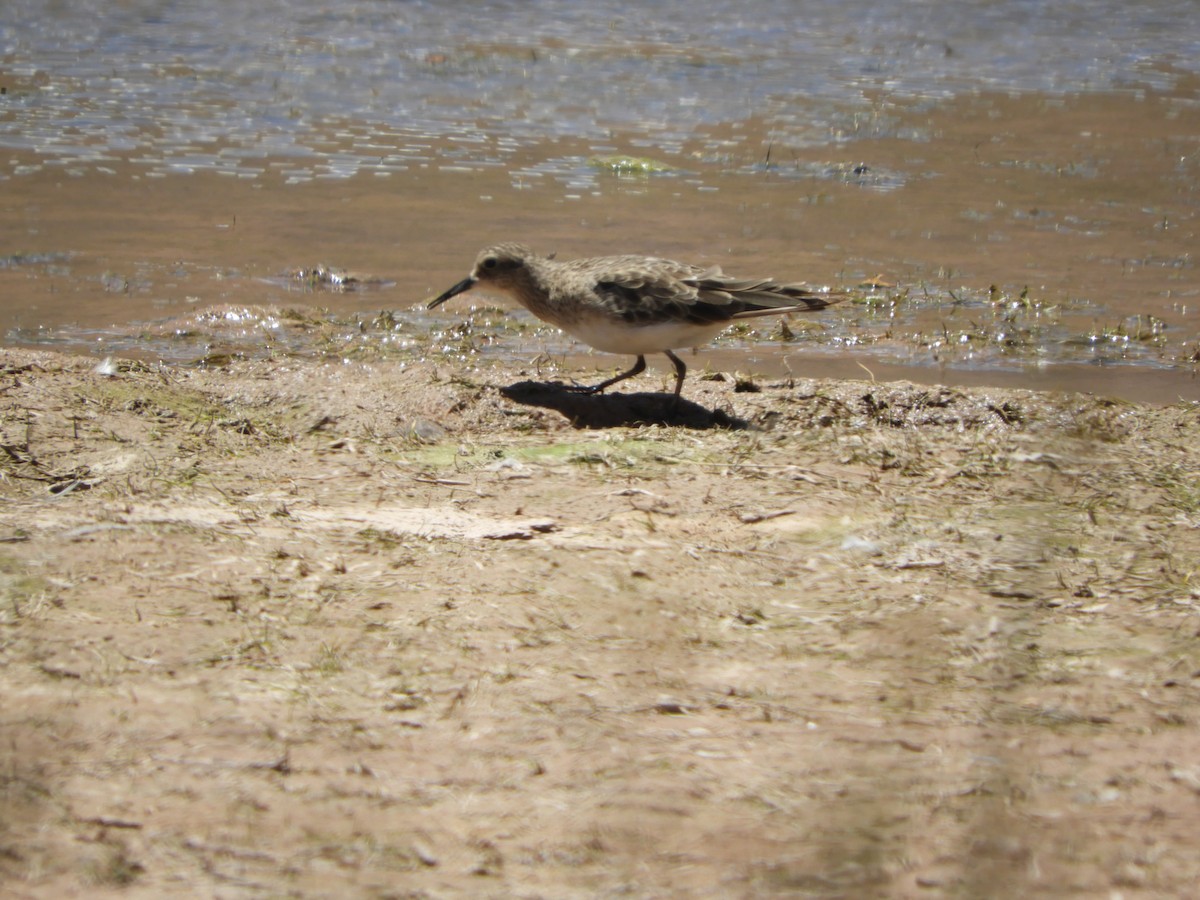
<point x="465" y="285"/>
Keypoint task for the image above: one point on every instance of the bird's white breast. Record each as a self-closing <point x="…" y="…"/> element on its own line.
<point x="621" y="337"/>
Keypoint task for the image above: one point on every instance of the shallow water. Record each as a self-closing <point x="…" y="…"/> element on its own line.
<point x="1023" y="183"/>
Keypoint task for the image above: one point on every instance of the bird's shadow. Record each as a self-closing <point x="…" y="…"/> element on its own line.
<point x="616" y="410"/>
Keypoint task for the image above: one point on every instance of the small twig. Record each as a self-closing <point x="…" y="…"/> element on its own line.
<point x="751" y="518"/>
<point x="106" y="822"/>
<point x="740" y="551"/>
<point x="281" y="765"/>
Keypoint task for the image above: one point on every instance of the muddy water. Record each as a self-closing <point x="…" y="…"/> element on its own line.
<point x="1023" y="192"/>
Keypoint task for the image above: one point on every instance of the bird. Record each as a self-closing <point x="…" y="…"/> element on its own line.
<point x="632" y="305"/>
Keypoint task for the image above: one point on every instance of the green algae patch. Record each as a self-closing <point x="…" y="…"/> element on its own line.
<point x="620" y="164"/>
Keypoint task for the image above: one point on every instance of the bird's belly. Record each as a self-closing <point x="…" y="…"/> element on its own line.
<point x="622" y="337"/>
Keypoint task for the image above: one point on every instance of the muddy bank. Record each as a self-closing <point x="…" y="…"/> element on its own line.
<point x="1020" y="241"/>
<point x="291" y="628"/>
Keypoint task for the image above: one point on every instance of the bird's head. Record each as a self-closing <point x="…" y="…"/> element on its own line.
<point x="499" y="267"/>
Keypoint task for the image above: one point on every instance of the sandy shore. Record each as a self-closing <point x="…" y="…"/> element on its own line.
<point x="286" y="628"/>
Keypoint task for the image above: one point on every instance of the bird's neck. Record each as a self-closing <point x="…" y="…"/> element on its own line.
<point x="535" y="290"/>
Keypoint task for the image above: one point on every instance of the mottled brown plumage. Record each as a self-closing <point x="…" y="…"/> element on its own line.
<point x="632" y="304"/>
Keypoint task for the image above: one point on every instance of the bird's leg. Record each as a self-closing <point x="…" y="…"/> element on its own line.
<point x="680" y="374"/>
<point x="638" y="368"/>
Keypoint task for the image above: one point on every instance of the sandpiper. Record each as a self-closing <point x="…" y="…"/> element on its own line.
<point x="632" y="304"/>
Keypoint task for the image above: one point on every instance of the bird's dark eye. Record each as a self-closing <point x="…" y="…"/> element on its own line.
<point x="490" y="262"/>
